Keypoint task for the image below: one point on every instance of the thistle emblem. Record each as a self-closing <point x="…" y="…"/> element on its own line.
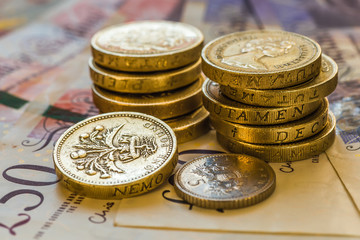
<point x="105" y="150"/>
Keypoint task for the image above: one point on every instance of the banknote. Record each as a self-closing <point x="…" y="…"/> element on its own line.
<point x="156" y="9"/>
<point x="44" y="89"/>
<point x="33" y="205"/>
<point x="33" y="56"/>
<point x="16" y="13"/>
<point x="345" y="153"/>
<point x="332" y="24"/>
<point x="314" y="183"/>
<point x="216" y="18"/>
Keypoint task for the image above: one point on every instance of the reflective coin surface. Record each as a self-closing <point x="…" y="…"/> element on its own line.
<point x="191" y="125"/>
<point x="276" y="134"/>
<point x="262" y="59"/>
<point x="147" y="46"/>
<point x="229" y="110"/>
<point x="115" y="155"/>
<point x="225" y="181"/>
<point x="319" y="87"/>
<point x="153" y="82"/>
<point x="162" y="105"/>
<point x="300" y="150"/>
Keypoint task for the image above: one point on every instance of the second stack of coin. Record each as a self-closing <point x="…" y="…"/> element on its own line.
<point x="152" y="67"/>
<point x="266" y="94"/>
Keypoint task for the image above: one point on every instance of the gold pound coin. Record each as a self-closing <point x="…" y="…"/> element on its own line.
<point x="262" y="59"/>
<point x="284" y="152"/>
<point x="275" y="134"/>
<point x="115" y="155"/>
<point x="190" y="126"/>
<point x="225" y="181"/>
<point x="229" y="110"/>
<point x="313" y="90"/>
<point x="161" y="105"/>
<point x="147" y="46"/>
<point x="153" y="82"/>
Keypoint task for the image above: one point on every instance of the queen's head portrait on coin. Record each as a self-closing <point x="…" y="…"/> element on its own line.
<point x="251" y="55"/>
<point x="116" y="155"/>
<point x="261" y="59"/>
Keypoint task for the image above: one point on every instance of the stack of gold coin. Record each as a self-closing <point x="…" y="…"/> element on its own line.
<point x="152" y="67"/>
<point x="266" y="94"/>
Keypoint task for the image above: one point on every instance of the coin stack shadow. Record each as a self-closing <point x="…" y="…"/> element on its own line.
<point x="141" y="78"/>
<point x="277" y="114"/>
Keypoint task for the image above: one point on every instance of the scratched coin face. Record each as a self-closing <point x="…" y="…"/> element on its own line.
<point x="115" y="155"/>
<point x="225" y="181"/>
<point x="275" y="59"/>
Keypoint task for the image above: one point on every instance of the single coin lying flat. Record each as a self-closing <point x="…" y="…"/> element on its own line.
<point x="225" y="181"/>
<point x="115" y="155"/>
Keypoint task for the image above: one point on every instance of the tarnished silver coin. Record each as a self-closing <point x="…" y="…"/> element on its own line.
<point x="115" y="155"/>
<point x="225" y="181"/>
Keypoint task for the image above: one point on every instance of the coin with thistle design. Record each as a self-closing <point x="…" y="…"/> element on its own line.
<point x="116" y="155"/>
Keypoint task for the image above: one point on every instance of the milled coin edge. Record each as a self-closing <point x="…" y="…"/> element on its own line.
<point x="229" y="203"/>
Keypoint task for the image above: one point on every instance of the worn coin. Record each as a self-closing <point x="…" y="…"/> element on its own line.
<point x="261" y="59"/>
<point x="275" y="134"/>
<point x="229" y="110"/>
<point x="317" y="88"/>
<point x="153" y="82"/>
<point x="146" y="46"/>
<point x="300" y="150"/>
<point x="115" y="155"/>
<point x="162" y="105"/>
<point x="225" y="181"/>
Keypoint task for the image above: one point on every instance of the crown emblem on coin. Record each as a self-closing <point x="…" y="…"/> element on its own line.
<point x="104" y="150"/>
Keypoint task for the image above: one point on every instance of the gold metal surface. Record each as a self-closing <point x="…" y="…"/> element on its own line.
<point x="146" y="46"/>
<point x="275" y="134"/>
<point x="190" y="126"/>
<point x="261" y="59"/>
<point x="313" y="90"/>
<point x="144" y="82"/>
<point x="225" y="181"/>
<point x="161" y="105"/>
<point x="229" y="110"/>
<point x="115" y="155"/>
<point x="285" y="152"/>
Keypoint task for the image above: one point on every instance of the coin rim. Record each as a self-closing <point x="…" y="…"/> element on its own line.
<point x="160" y="77"/>
<point x="252" y="130"/>
<point x="209" y="98"/>
<point x="198" y="126"/>
<point x="88" y="187"/>
<point x="164" y="54"/>
<point x="229" y="203"/>
<point x="328" y="132"/>
<point x="206" y="60"/>
<point x="296" y="89"/>
<point x="158" y="109"/>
